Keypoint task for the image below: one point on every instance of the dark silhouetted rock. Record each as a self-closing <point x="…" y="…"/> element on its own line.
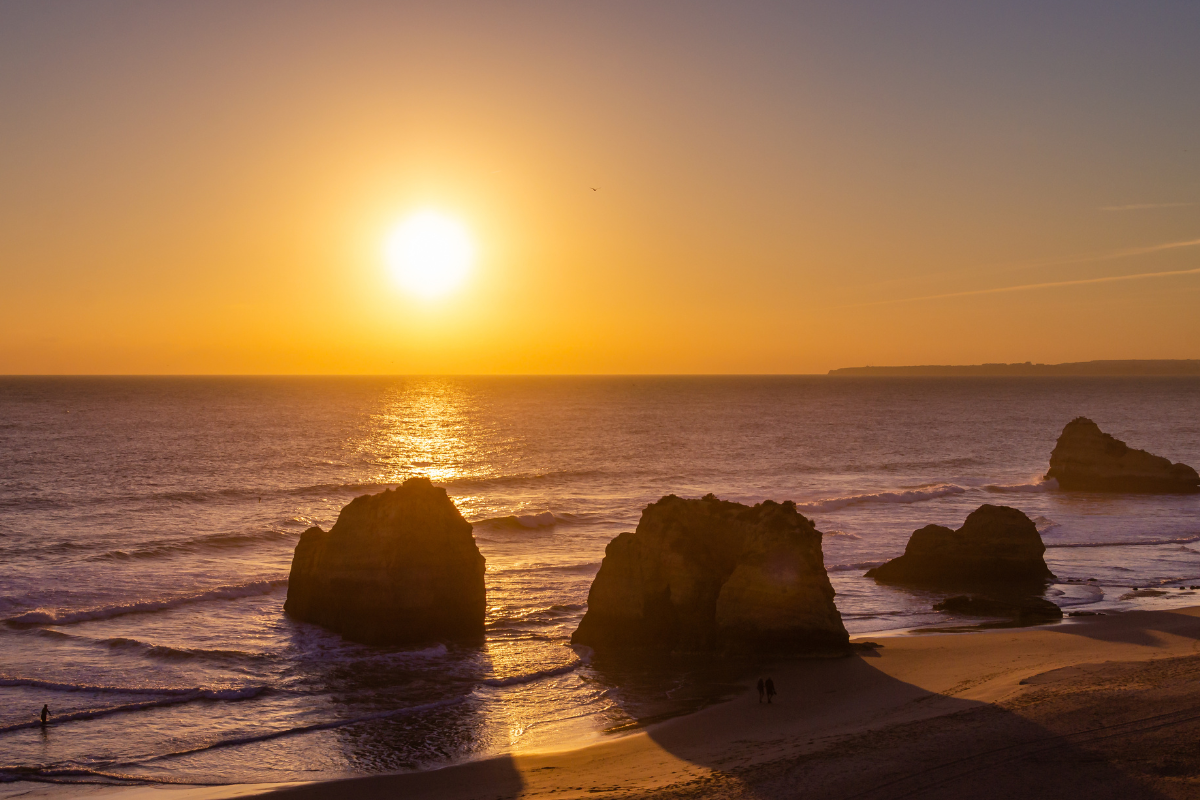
<point x="996" y="546"/>
<point x="1088" y="459"/>
<point x="398" y="567"/>
<point x="714" y="575"/>
<point x="1019" y="608"/>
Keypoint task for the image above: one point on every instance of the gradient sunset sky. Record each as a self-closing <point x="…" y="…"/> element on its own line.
<point x="206" y="187"/>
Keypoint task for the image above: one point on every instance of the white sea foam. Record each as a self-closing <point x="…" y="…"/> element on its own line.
<point x="542" y="520"/>
<point x="66" y="617"/>
<point x="188" y="696"/>
<point x="905" y="497"/>
<point x="1043" y="523"/>
<point x="1129" y="543"/>
<point x="853" y="567"/>
<point x="230" y="693"/>
<point x="842" y="534"/>
<point x="517" y="522"/>
<point x="319" y="726"/>
<point x="1036" y="487"/>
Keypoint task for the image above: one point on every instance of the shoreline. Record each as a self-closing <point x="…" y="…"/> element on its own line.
<point x="823" y="708"/>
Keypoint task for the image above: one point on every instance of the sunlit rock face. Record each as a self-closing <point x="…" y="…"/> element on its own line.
<point x="1088" y="459"/>
<point x="708" y="574"/>
<point x="997" y="547"/>
<point x="396" y="568"/>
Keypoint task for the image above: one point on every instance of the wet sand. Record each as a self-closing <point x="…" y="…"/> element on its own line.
<point x="1108" y="705"/>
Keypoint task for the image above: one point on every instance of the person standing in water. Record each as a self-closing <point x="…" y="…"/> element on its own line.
<point x="45" y="714"/>
<point x="761" y="689"/>
<point x="770" y="686"/>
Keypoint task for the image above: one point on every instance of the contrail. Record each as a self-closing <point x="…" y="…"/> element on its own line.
<point x="1143" y="206"/>
<point x="1052" y="262"/>
<point x="1030" y="286"/>
<point x="1137" y="251"/>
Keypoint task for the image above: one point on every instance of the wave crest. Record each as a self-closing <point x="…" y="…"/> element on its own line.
<point x="220" y="541"/>
<point x="518" y="522"/>
<point x="190" y="696"/>
<point x="233" y="592"/>
<point x="842" y="534"/>
<point x="1036" y="487"/>
<point x="862" y="565"/>
<point x="1129" y="543"/>
<point x="516" y="680"/>
<point x="905" y="497"/>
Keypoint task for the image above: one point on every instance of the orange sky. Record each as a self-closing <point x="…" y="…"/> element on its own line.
<point x="205" y="188"/>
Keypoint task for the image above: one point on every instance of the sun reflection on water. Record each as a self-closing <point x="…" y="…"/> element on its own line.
<point x="439" y="429"/>
<point x="430" y="428"/>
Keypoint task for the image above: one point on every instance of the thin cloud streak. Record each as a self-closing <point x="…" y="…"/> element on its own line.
<point x="1091" y="258"/>
<point x="1137" y="251"/>
<point x="1031" y="286"/>
<point x="1144" y="206"/>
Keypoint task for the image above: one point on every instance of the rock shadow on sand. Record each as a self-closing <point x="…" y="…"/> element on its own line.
<point x="846" y="729"/>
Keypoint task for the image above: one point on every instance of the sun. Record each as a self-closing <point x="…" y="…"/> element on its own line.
<point x="429" y="254"/>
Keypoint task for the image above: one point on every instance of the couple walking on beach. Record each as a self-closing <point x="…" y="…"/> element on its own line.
<point x="766" y="688"/>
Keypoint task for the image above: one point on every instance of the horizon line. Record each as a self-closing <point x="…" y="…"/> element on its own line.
<point x="824" y="374"/>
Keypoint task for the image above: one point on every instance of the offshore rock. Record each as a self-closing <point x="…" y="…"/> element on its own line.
<point x="1022" y="609"/>
<point x="1088" y="459"/>
<point x="996" y="546"/>
<point x="708" y="574"/>
<point x="397" y="567"/>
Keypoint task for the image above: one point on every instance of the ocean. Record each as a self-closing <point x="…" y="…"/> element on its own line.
<point x="147" y="526"/>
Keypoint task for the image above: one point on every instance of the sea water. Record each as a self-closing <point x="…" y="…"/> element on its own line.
<point x="147" y="526"/>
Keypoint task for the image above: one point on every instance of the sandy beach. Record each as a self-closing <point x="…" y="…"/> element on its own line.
<point x="1107" y="705"/>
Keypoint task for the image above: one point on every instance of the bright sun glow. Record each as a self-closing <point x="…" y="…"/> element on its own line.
<point x="429" y="254"/>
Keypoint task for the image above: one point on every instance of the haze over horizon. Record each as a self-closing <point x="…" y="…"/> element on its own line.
<point x="676" y="188"/>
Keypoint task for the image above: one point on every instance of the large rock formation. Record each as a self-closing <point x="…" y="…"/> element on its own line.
<point x="1088" y="459"/>
<point x="997" y="546"/>
<point x="396" y="568"/>
<point x="714" y="575"/>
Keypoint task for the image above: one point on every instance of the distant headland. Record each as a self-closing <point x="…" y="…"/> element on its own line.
<point x="1161" y="367"/>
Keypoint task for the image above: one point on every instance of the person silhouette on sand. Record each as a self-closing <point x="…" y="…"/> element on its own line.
<point x="45" y="714"/>
<point x="761" y="689"/>
<point x="770" y="687"/>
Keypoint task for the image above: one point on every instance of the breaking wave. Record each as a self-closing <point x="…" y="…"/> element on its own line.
<point x="1023" y="488"/>
<point x="168" y="691"/>
<point x="155" y="651"/>
<point x="319" y="726"/>
<point x="1132" y="543"/>
<point x="220" y="541"/>
<point x="589" y="567"/>
<point x="43" y="617"/>
<point x="516" y="680"/>
<point x="842" y="534"/>
<point x="174" y="697"/>
<point x="853" y="567"/>
<point x="1044" y="523"/>
<point x="551" y="615"/>
<point x="906" y="497"/>
<point x="167" y="653"/>
<point x="545" y="519"/>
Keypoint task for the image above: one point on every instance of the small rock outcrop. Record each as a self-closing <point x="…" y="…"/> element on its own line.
<point x="398" y="567"/>
<point x="996" y="546"/>
<point x="1088" y="459"/>
<point x="702" y="575"/>
<point x="1023" y="609"/>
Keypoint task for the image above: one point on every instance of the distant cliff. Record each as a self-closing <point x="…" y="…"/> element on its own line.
<point x="1189" y="366"/>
